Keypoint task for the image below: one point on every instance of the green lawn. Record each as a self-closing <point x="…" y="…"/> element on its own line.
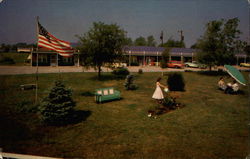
<point x="211" y="125"/>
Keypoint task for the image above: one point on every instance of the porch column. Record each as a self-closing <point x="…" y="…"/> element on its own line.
<point x="31" y="60"/>
<point x="129" y="63"/>
<point x="237" y="58"/>
<point x="57" y="59"/>
<point x="78" y="60"/>
<point x="144" y="60"/>
<point x="157" y="59"/>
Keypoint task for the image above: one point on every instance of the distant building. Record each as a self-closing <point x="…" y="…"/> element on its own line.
<point x="135" y="55"/>
<point x="146" y="55"/>
<point x="46" y="57"/>
<point x="26" y="50"/>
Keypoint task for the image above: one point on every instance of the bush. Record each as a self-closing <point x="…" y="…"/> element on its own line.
<point x="121" y="71"/>
<point x="6" y="60"/>
<point x="140" y="71"/>
<point x="134" y="64"/>
<point x="163" y="64"/>
<point x="26" y="106"/>
<point x="57" y="107"/>
<point x="129" y="83"/>
<point x="176" y="82"/>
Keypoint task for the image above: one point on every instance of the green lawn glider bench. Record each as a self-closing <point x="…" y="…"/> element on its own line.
<point x="106" y="94"/>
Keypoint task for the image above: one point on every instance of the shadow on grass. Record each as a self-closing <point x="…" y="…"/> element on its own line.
<point x="113" y="100"/>
<point x="75" y="117"/>
<point x="213" y="73"/>
<point x="12" y="131"/>
<point x="87" y="94"/>
<point x="107" y="77"/>
<point x="79" y="116"/>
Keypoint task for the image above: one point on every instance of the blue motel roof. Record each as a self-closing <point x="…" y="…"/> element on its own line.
<point x="154" y="51"/>
<point x="144" y="48"/>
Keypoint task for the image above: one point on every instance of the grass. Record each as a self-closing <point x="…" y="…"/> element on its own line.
<point x="211" y="125"/>
<point x="18" y="59"/>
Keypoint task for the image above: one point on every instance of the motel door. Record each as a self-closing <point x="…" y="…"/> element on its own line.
<point x="53" y="60"/>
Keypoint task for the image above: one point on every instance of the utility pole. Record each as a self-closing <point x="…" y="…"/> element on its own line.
<point x="182" y="37"/>
<point x="161" y="37"/>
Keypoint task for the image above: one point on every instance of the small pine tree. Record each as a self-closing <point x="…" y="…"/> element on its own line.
<point x="57" y="107"/>
<point x="129" y="83"/>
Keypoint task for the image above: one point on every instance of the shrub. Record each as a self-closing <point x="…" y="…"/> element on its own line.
<point x="134" y="64"/>
<point x="129" y="83"/>
<point x="121" y="71"/>
<point x="26" y="106"/>
<point x="57" y="107"/>
<point x="6" y="60"/>
<point x="176" y="82"/>
<point x="163" y="64"/>
<point x="140" y="71"/>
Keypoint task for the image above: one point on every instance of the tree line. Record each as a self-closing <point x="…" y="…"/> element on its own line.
<point x="13" y="47"/>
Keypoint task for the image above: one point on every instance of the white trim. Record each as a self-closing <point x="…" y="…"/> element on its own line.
<point x="20" y="156"/>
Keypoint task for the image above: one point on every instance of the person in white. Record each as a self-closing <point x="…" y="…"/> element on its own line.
<point x="235" y="86"/>
<point x="221" y="84"/>
<point x="158" y="95"/>
<point x="232" y="88"/>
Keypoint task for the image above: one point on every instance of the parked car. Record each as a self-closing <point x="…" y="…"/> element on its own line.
<point x="175" y="64"/>
<point x="195" y="64"/>
<point x="244" y="64"/>
<point x="192" y="64"/>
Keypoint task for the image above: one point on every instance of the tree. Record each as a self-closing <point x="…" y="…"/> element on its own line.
<point x="151" y="41"/>
<point x="141" y="41"/>
<point x="57" y="107"/>
<point x="247" y="50"/>
<point x="165" y="57"/>
<point x="194" y="46"/>
<point x="128" y="42"/>
<point x="220" y="42"/>
<point x="173" y="43"/>
<point x="102" y="44"/>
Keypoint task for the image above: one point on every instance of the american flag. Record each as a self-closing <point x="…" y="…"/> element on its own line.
<point x="46" y="40"/>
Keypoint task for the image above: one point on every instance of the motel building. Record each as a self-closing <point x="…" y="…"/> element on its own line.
<point x="46" y="57"/>
<point x="151" y="56"/>
<point x="135" y="56"/>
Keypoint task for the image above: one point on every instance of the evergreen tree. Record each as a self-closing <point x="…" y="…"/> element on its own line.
<point x="57" y="107"/>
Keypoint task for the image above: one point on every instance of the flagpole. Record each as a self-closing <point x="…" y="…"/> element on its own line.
<point x="37" y="32"/>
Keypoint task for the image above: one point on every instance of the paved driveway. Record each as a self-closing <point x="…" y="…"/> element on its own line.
<point x="12" y="70"/>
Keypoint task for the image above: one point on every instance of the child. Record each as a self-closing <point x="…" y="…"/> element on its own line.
<point x="158" y="95"/>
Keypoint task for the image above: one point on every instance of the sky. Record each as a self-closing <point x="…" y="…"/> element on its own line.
<point x="67" y="18"/>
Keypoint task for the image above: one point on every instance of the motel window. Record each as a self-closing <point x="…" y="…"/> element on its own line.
<point x="68" y="59"/>
<point x="42" y="58"/>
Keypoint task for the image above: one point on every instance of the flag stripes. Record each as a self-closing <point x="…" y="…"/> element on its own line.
<point x="48" y="41"/>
